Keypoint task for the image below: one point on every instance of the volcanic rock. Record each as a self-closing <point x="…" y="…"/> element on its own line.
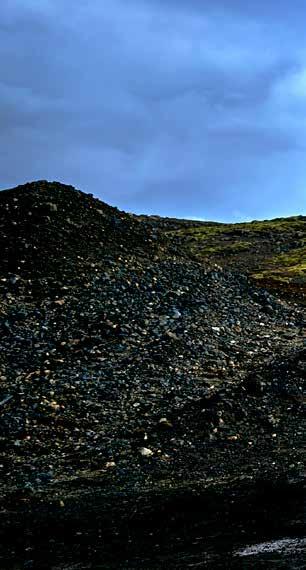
<point x="116" y="345"/>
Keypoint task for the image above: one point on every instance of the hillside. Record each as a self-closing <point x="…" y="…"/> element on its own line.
<point x="136" y="378"/>
<point x="271" y="252"/>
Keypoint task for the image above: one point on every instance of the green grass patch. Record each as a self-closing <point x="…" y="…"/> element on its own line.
<point x="224" y="249"/>
<point x="288" y="266"/>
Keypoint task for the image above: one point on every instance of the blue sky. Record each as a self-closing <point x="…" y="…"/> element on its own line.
<point x="179" y="108"/>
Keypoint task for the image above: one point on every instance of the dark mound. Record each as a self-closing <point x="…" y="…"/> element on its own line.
<point x="129" y="372"/>
<point x="53" y="230"/>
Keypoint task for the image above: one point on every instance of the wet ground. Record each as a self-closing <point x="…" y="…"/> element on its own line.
<point x="258" y="528"/>
<point x="218" y="552"/>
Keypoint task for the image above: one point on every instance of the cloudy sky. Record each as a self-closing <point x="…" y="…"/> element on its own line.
<point x="184" y="108"/>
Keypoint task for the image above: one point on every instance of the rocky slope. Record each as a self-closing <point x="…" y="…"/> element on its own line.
<point x="271" y="252"/>
<point x="132" y="375"/>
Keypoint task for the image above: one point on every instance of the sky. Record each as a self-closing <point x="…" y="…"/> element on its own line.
<point x="186" y="108"/>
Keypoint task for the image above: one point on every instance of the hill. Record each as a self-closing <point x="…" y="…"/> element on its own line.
<point x="271" y="252"/>
<point x="133" y="377"/>
<point x="51" y="230"/>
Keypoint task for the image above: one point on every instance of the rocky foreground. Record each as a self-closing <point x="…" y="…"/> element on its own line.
<point x="137" y="387"/>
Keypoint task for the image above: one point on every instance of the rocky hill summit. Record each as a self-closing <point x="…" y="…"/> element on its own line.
<point x="132" y="374"/>
<point x="51" y="229"/>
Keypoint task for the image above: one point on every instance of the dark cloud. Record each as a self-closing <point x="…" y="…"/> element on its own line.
<point x="169" y="107"/>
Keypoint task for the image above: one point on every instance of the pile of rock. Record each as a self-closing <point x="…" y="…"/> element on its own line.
<point x="123" y="360"/>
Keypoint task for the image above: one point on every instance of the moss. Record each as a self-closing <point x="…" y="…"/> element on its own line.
<point x="285" y="267"/>
<point x="226" y="249"/>
<point x="290" y="225"/>
<point x="267" y="250"/>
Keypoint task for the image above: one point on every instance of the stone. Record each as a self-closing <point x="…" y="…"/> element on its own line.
<point x="145" y="452"/>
